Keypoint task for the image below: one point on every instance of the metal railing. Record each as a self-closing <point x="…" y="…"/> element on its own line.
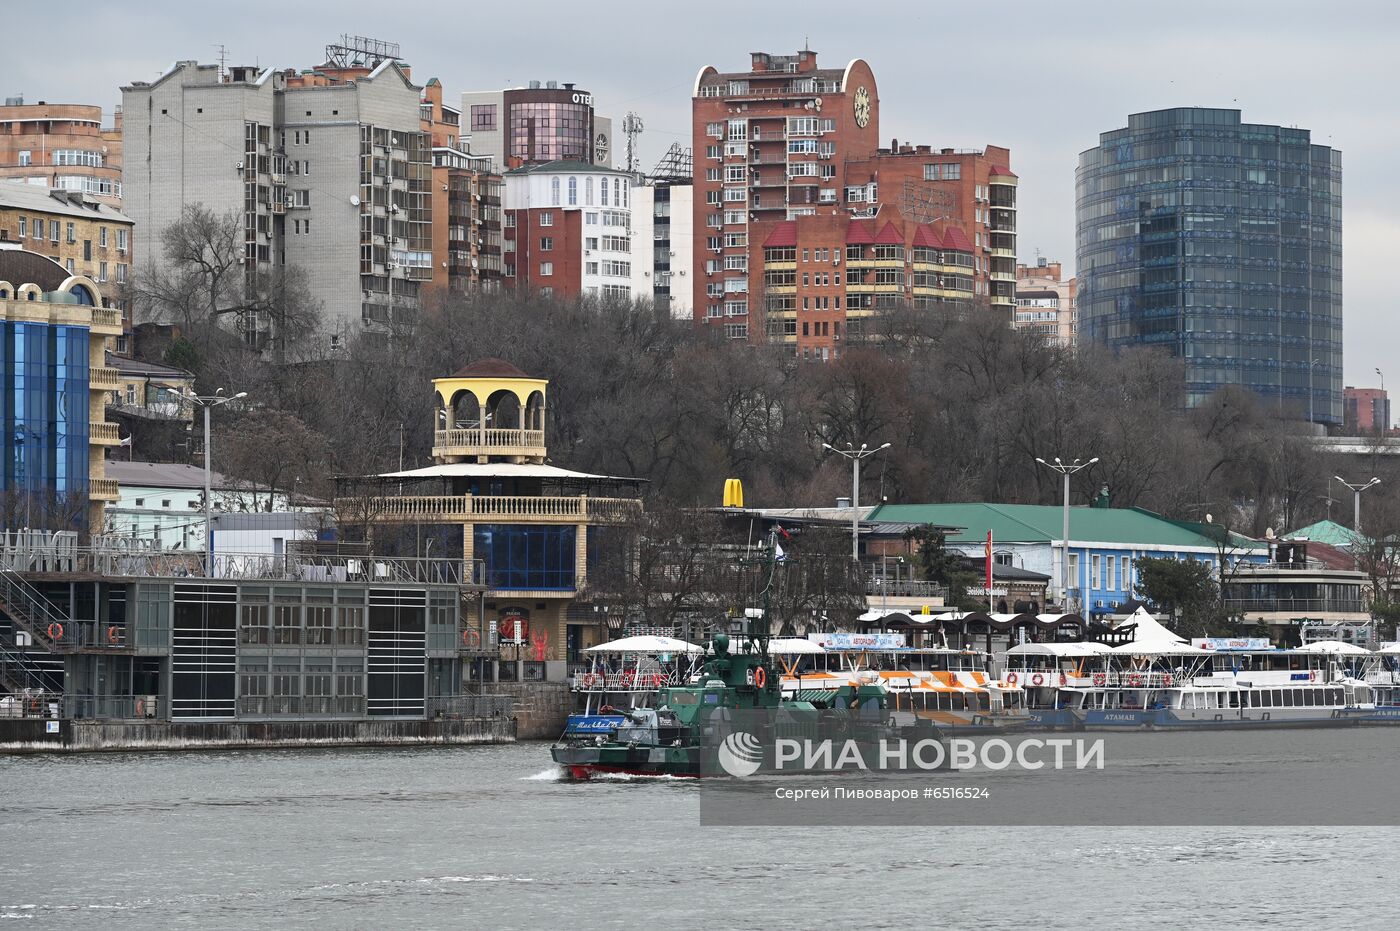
<point x="24" y="605"/>
<point x="623" y="681"/>
<point x="916" y="588"/>
<point x="469" y="706"/>
<point x="287" y="567"/>
<point x="18" y="672"/>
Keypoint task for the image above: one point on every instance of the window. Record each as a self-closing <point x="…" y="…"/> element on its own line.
<point x="573" y="192"/>
<point x="554" y="191"/>
<point x="69" y="265"/>
<point x="121" y="240"/>
<point x="254" y="626"/>
<point x="349" y="625"/>
<point x="102" y="237"/>
<point x="102" y="272"/>
<point x="588" y="192"/>
<point x="1074" y="570"/>
<point x="591" y="218"/>
<point x="603" y="191"/>
<point x="1108" y="573"/>
<point x="318" y="624"/>
<point x="121" y="273"/>
<point x="546" y="218"/>
<point x="546" y="243"/>
<point x="72" y="235"/>
<point x="546" y="269"/>
<point x="23" y="224"/>
<point x="590" y="268"/>
<point x="483" y="117"/>
<point x="1094" y="571"/>
<point x="286" y="623"/>
<point x="25" y="158"/>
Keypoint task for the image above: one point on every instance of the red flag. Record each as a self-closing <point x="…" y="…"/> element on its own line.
<point x="989" y="562"/>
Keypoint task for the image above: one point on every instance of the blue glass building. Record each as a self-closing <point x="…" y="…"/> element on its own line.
<point x="51" y="329"/>
<point x="1222" y="242"/>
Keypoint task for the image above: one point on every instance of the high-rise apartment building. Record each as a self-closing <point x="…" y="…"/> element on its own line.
<point x="466" y="198"/>
<point x="328" y="169"/>
<point x="1365" y="411"/>
<point x="663" y="211"/>
<point x="787" y="156"/>
<point x="62" y="146"/>
<point x="544" y="122"/>
<point x="1222" y="242"/>
<point x="1045" y="301"/>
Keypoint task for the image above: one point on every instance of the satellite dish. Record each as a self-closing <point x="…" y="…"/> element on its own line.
<point x="354" y="200"/>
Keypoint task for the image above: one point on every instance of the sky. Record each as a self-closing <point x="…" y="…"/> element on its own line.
<point x="1043" y="79"/>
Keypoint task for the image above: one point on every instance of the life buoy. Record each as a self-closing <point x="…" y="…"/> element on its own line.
<point x="1011" y="678"/>
<point x="1100" y="678"/>
<point x="1063" y="681"/>
<point x="55" y="631"/>
<point x="656" y="680"/>
<point x="760" y="677"/>
<point x="1037" y="680"/>
<point x="113" y="635"/>
<point x="1312" y="675"/>
<point x="1134" y="680"/>
<point x="140" y="707"/>
<point x="471" y="638"/>
<point x="1166" y="678"/>
<point x="627" y="679"/>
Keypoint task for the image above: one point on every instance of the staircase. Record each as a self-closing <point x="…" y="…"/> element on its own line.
<point x="28" y="610"/>
<point x="20" y="673"/>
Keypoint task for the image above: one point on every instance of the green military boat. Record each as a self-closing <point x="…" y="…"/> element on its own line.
<point x="669" y="739"/>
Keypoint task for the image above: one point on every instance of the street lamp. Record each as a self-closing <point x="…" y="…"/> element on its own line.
<point x="1385" y="404"/>
<point x="1356" y="489"/>
<point x="855" y="455"/>
<point x="1065" y="469"/>
<point x="208" y="402"/>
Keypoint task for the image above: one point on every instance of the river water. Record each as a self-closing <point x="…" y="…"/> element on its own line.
<point x="487" y="837"/>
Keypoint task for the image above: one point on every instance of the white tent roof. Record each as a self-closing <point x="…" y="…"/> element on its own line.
<point x="1390" y="649"/>
<point x="1152" y="639"/>
<point x="498" y="470"/>
<point x="1333" y="646"/>
<point x="646" y="645"/>
<point x="1085" y="648"/>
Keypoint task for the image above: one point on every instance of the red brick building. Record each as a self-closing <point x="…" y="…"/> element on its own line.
<point x="787" y="157"/>
<point x="466" y="198"/>
<point x="568" y="230"/>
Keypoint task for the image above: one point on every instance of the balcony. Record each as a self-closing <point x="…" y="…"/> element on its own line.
<point x="486" y="441"/>
<point x="103" y="434"/>
<point x="101" y="378"/>
<point x="495" y="509"/>
<point x="106" y="321"/>
<point x="103" y="489"/>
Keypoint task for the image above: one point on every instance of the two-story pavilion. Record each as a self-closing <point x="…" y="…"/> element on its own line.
<point x="492" y="497"/>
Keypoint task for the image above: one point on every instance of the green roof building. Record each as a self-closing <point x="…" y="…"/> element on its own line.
<point x="1104" y="543"/>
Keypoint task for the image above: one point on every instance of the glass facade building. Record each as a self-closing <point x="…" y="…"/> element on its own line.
<point x="44" y="408"/>
<point x="1222" y="242"/>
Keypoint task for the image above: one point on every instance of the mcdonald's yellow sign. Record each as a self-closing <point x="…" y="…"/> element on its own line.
<point x="733" y="493"/>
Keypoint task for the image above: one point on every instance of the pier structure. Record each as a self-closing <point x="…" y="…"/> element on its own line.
<point x="261" y="649"/>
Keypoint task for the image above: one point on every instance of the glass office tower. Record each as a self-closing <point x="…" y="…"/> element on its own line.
<point x="43" y="412"/>
<point x="1221" y="241"/>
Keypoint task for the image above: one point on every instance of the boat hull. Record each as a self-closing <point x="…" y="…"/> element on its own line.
<point x="1205" y="719"/>
<point x="582" y="762"/>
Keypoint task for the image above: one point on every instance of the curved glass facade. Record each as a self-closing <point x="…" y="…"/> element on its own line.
<point x="43" y="412"/>
<point x="1221" y="241"/>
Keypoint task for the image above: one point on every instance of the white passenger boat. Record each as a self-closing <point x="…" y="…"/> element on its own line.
<point x="1161" y="681"/>
<point x="955" y="689"/>
<point x="628" y="673"/>
<point x="1049" y="673"/>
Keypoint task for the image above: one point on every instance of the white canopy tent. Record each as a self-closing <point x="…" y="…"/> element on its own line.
<point x="646" y="644"/>
<point x="1152" y="639"/>
<point x="1333" y="646"/>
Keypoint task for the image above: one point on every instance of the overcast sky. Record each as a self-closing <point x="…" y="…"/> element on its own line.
<point x="1043" y="79"/>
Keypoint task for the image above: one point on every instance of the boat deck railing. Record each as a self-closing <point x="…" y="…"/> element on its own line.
<point x="598" y="682"/>
<point x="51" y="705"/>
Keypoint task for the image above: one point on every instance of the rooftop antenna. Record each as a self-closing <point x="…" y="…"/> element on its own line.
<point x="223" y="61"/>
<point x="632" y="126"/>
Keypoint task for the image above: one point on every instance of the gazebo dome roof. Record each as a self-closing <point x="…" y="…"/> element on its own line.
<point x="490" y="368"/>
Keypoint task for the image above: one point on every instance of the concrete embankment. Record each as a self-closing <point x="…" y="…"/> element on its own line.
<point x="32" y="735"/>
<point x="541" y="709"/>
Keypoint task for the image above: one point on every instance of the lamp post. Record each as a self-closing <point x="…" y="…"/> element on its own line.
<point x="1356" y="489"/>
<point x="1385" y="404"/>
<point x="208" y="402"/>
<point x="1066" y="469"/>
<point x="855" y="455"/>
